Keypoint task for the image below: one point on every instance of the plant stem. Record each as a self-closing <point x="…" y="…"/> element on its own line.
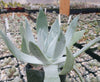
<point x="78" y="73"/>
<point x="51" y="73"/>
<point x="86" y="46"/>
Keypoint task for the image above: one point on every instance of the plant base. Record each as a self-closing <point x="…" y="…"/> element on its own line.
<point x="38" y="75"/>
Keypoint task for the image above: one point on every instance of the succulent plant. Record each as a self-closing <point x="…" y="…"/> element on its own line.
<point x="92" y="79"/>
<point x="19" y="5"/>
<point x="98" y="23"/>
<point x="2" y="2"/>
<point x="98" y="28"/>
<point x="15" y="3"/>
<point x="12" y="5"/>
<point x="17" y="79"/>
<point x="50" y="47"/>
<point x="5" y="5"/>
<point x="11" y="71"/>
<point x="7" y="60"/>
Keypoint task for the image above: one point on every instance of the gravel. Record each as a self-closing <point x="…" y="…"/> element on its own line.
<point x="12" y="70"/>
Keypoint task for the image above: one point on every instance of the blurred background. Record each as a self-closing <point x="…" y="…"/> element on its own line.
<point x="84" y="3"/>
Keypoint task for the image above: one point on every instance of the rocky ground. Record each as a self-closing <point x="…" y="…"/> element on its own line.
<point x="12" y="70"/>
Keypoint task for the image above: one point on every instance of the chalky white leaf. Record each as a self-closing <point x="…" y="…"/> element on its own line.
<point x="17" y="53"/>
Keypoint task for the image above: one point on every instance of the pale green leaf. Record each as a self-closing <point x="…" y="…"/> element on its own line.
<point x="55" y="31"/>
<point x="22" y="29"/>
<point x="51" y="73"/>
<point x="60" y="60"/>
<point x="24" y="47"/>
<point x="71" y="30"/>
<point x="35" y="51"/>
<point x="60" y="45"/>
<point x="51" y="48"/>
<point x="76" y="37"/>
<point x="78" y="73"/>
<point x="92" y="42"/>
<point x="68" y="63"/>
<point x="29" y="34"/>
<point x="56" y="47"/>
<point x="26" y="37"/>
<point x="70" y="33"/>
<point x="98" y="21"/>
<point x="17" y="53"/>
<point x="42" y="29"/>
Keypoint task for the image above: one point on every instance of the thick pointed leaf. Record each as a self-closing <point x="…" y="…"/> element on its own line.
<point x="78" y="73"/>
<point x="34" y="49"/>
<point x="51" y="73"/>
<point x="71" y="30"/>
<point x="19" y="55"/>
<point x="51" y="48"/>
<point x="60" y="60"/>
<point x="56" y="47"/>
<point x="26" y="37"/>
<point x="60" y="45"/>
<point x="42" y="29"/>
<point x="98" y="21"/>
<point x="40" y="40"/>
<point x="70" y="33"/>
<point x="29" y="34"/>
<point x="76" y="37"/>
<point x="68" y="63"/>
<point x="86" y="47"/>
<point x="24" y="47"/>
<point x="55" y="31"/>
<point x="22" y="29"/>
<point x="42" y="21"/>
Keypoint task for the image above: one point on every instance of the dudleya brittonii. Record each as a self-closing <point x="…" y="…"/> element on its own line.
<point x="50" y="47"/>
